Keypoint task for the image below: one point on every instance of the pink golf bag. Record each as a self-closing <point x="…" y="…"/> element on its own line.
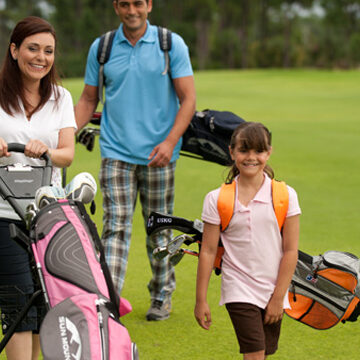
<point x="83" y="320"/>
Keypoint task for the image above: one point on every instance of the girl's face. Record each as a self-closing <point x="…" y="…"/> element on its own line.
<point x="35" y="56"/>
<point x="250" y="162"/>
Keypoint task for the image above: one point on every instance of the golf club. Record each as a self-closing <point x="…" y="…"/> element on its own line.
<point x="175" y="244"/>
<point x="160" y="252"/>
<point x="177" y="257"/>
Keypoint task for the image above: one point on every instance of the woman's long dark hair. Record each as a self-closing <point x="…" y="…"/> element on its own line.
<point x="250" y="136"/>
<point x="11" y="83"/>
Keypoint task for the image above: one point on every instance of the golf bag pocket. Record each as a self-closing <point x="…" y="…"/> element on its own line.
<point x="83" y="328"/>
<point x="325" y="289"/>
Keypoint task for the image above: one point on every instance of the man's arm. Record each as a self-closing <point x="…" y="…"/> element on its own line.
<point x="185" y="90"/>
<point x="86" y="106"/>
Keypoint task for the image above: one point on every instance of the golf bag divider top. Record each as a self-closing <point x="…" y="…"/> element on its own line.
<point x="325" y="289"/>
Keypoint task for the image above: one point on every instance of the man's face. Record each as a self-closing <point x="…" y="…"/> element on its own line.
<point x="133" y="13"/>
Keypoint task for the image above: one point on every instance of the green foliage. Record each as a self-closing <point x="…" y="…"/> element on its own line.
<point x="219" y="33"/>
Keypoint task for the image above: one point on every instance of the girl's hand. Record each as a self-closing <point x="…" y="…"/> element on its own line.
<point x="203" y="315"/>
<point x="4" y="148"/>
<point x="35" y="149"/>
<point x="274" y="311"/>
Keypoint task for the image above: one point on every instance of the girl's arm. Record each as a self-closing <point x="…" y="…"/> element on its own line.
<point x="290" y="236"/>
<point x="209" y="245"/>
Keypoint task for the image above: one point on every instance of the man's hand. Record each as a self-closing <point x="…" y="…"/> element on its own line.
<point x="161" y="155"/>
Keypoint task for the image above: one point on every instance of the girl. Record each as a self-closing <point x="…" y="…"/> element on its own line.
<point x="34" y="111"/>
<point x="258" y="262"/>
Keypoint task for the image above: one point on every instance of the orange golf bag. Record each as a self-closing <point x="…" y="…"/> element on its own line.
<point x="325" y="289"/>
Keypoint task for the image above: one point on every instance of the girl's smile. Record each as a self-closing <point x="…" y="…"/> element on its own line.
<point x="250" y="162"/>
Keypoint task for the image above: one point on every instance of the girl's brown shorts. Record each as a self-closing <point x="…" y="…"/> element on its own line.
<point x="252" y="334"/>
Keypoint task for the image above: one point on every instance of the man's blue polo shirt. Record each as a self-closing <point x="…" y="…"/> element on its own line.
<point x="140" y="103"/>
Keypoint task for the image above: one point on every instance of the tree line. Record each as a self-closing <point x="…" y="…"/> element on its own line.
<point x="220" y="33"/>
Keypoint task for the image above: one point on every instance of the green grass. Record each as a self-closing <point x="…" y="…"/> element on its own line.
<point x="314" y="118"/>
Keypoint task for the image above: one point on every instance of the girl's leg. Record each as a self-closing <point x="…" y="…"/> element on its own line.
<point x="19" y="346"/>
<point x="258" y="355"/>
<point x="35" y="347"/>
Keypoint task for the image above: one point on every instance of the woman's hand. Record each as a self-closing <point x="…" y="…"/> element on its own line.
<point x="35" y="149"/>
<point x="4" y="148"/>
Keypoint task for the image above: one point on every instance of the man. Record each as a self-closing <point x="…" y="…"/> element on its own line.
<point x="144" y="116"/>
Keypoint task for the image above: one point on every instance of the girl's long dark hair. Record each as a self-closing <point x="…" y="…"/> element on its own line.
<point x="11" y="83"/>
<point x="250" y="136"/>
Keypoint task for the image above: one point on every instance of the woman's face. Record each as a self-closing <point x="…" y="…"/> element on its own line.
<point x="35" y="56"/>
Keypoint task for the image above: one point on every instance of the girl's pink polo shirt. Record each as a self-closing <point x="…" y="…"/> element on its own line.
<point x="253" y="246"/>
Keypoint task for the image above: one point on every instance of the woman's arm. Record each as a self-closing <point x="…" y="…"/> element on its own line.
<point x="209" y="245"/>
<point x="290" y="236"/>
<point x="62" y="156"/>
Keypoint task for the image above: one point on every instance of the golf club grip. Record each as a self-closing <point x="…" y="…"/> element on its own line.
<point x="96" y="118"/>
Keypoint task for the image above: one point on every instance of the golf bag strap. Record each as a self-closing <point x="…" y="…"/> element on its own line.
<point x="226" y="202"/>
<point x="165" y="45"/>
<point x="104" y="50"/>
<point x="280" y="199"/>
<point x="225" y="205"/>
<point x="115" y="299"/>
<point x="103" y="55"/>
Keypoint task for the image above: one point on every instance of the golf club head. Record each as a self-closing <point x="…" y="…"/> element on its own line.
<point x="160" y="252"/>
<point x="157" y="222"/>
<point x="81" y="188"/>
<point x="175" y="244"/>
<point x="177" y="257"/>
<point x="48" y="194"/>
<point x="30" y="213"/>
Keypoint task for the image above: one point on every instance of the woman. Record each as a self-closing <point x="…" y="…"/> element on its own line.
<point x="34" y="111"/>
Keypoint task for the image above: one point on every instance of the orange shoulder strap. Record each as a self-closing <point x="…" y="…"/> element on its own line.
<point x="280" y="198"/>
<point x="226" y="202"/>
